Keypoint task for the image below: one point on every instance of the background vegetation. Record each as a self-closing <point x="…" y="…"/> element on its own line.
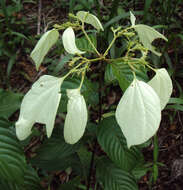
<point x="93" y="163"/>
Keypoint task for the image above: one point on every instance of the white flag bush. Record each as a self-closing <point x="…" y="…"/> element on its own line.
<point x="139" y="110"/>
<point x="76" y="118"/>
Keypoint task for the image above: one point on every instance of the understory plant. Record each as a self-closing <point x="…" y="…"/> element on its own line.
<point x="121" y="131"/>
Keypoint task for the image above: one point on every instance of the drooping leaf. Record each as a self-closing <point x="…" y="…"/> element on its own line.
<point x="113" y="143"/>
<point x="147" y="35"/>
<point x="43" y="46"/>
<point x="90" y="19"/>
<point x="12" y="159"/>
<point x="139" y="113"/>
<point x="132" y="19"/>
<point x="68" y="39"/>
<point x="9" y="103"/>
<point x="162" y="84"/>
<point x="114" y="178"/>
<point x="76" y="118"/>
<point x="40" y="105"/>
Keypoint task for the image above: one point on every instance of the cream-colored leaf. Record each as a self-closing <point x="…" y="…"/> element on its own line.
<point x="138" y="113"/>
<point x="76" y="118"/>
<point x="147" y="35"/>
<point x="68" y="39"/>
<point x="162" y="84"/>
<point x="42" y="47"/>
<point x="40" y="105"/>
<point x="132" y="18"/>
<point x="90" y="19"/>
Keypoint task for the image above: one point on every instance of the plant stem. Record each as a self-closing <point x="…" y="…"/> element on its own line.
<point x="110" y="45"/>
<point x="99" y="119"/>
<point x="87" y="37"/>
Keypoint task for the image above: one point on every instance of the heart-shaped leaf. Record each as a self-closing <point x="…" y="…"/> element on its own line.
<point x="138" y="113"/>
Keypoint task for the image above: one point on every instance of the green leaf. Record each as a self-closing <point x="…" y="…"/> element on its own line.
<point x="162" y="84"/>
<point x="90" y="19"/>
<point x="113" y="143"/>
<point x="175" y="101"/>
<point x="109" y="75"/>
<point x="9" y="103"/>
<point x="12" y="159"/>
<point x="40" y="105"/>
<point x="147" y="35"/>
<point x="114" y="178"/>
<point x="32" y="181"/>
<point x="83" y="44"/>
<point x="139" y="113"/>
<point x="76" y="118"/>
<point x="124" y="75"/>
<point x="7" y="185"/>
<point x="68" y="39"/>
<point x="55" y="154"/>
<point x="43" y="46"/>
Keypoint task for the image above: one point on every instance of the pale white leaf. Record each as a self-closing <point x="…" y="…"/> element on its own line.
<point x="69" y="43"/>
<point x="147" y="35"/>
<point x="138" y="113"/>
<point x="43" y="46"/>
<point x="76" y="118"/>
<point x="40" y="105"/>
<point x="90" y="19"/>
<point x="132" y="18"/>
<point x="162" y="84"/>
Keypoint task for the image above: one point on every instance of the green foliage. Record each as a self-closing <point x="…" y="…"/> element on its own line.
<point x="12" y="158"/>
<point x="10" y="102"/>
<point x="113" y="143"/>
<point x="113" y="178"/>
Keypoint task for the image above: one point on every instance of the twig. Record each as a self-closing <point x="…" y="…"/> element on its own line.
<point x="99" y="119"/>
<point x="39" y="17"/>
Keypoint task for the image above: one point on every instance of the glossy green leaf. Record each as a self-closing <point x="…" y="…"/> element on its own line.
<point x="31" y="179"/>
<point x="132" y="18"/>
<point x="90" y="19"/>
<point x="113" y="143"/>
<point x="43" y="46"/>
<point x="147" y="35"/>
<point x="139" y="113"/>
<point x="9" y="102"/>
<point x="83" y="44"/>
<point x="40" y="105"/>
<point x="162" y="84"/>
<point x="124" y="75"/>
<point x="12" y="159"/>
<point x="114" y="178"/>
<point x="76" y="118"/>
<point x="68" y="39"/>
